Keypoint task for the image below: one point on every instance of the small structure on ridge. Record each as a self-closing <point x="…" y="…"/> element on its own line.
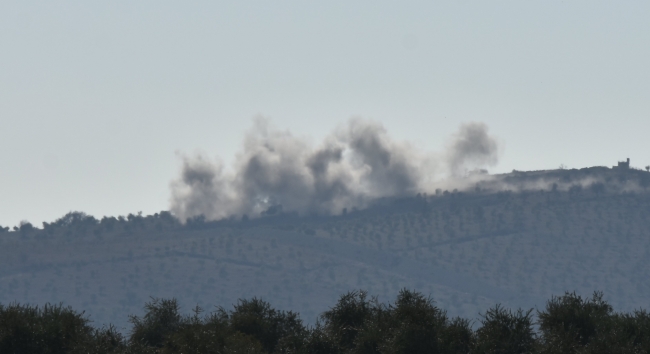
<point x="623" y="165"/>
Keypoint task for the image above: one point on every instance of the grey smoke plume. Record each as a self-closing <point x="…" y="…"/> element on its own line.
<point x="472" y="147"/>
<point x="355" y="165"/>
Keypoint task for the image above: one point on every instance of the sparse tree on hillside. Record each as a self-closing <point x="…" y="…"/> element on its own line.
<point x="597" y="187"/>
<point x="25" y="226"/>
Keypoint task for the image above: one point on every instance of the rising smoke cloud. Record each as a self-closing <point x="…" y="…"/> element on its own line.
<point x="471" y="147"/>
<point x="353" y="166"/>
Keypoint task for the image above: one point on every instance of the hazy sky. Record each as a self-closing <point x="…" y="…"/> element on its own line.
<point x="97" y="98"/>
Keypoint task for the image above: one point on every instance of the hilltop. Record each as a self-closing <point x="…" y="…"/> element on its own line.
<point x="514" y="239"/>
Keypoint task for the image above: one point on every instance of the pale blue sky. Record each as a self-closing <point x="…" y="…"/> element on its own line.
<point x="96" y="97"/>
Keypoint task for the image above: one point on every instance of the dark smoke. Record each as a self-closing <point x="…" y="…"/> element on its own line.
<point x="472" y="147"/>
<point x="355" y="165"/>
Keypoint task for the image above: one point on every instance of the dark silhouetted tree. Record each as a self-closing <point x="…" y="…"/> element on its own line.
<point x="417" y="325"/>
<point x="570" y="322"/>
<point x="505" y="332"/>
<point x="161" y="319"/>
<point x="344" y="321"/>
<point x="53" y="329"/>
<point x="272" y="328"/>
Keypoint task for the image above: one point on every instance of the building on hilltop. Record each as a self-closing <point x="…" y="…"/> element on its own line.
<point x="623" y="165"/>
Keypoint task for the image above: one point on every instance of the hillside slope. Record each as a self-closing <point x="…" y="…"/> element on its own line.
<point x="469" y="250"/>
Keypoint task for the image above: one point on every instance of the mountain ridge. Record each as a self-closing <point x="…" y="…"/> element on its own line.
<point x="468" y="249"/>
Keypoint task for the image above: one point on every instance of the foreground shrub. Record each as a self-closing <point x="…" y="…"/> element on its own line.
<point x="162" y="319"/>
<point x="412" y="324"/>
<point x="356" y="324"/>
<point x="52" y="329"/>
<point x="505" y="332"/>
<point x="571" y="324"/>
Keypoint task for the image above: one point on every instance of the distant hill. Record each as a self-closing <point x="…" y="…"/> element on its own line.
<point x="514" y="239"/>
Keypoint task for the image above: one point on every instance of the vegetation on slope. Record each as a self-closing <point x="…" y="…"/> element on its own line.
<point x="468" y="249"/>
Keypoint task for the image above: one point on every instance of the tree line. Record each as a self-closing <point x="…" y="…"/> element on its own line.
<point x="357" y="323"/>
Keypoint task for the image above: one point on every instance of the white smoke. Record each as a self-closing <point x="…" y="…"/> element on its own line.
<point x="353" y="166"/>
